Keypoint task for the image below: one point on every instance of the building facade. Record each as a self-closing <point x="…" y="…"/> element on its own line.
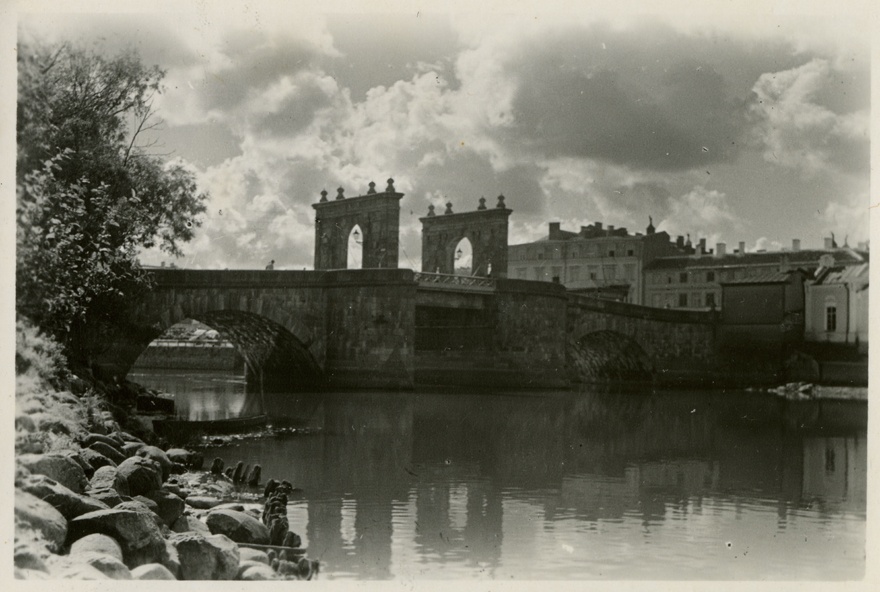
<point x="837" y="305"/>
<point x="605" y="261"/>
<point x="694" y="281"/>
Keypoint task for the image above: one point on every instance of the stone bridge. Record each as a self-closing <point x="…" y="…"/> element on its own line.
<point x="397" y="329"/>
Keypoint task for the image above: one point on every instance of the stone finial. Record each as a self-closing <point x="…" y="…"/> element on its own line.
<point x="390" y="188"/>
<point x="482" y="205"/>
<point x="448" y="208"/>
<point x="500" y="202"/>
<point x="339" y="193"/>
<point x="323" y="195"/>
<point x="372" y="188"/>
<point x="431" y="210"/>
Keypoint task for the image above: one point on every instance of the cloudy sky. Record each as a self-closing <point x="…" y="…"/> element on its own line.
<point x="734" y="126"/>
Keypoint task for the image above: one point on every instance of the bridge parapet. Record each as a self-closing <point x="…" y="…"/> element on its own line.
<point x="648" y="313"/>
<point x="445" y="281"/>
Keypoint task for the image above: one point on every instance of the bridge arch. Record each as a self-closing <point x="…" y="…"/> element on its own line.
<point x="606" y="355"/>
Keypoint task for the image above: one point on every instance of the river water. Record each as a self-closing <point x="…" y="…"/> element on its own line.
<point x="562" y="485"/>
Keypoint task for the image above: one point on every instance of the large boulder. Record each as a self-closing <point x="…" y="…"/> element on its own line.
<point x="238" y="526"/>
<point x="107" y="496"/>
<point x="36" y="515"/>
<point x="189" y="459"/>
<point x="257" y="572"/>
<point x="142" y="475"/>
<point x="172" y="559"/>
<point x="146" y="507"/>
<point x="213" y="557"/>
<point x="95" y="459"/>
<point x="109" y="440"/>
<point x="111" y="452"/>
<point x="70" y="504"/>
<point x="97" y="543"/>
<point x="158" y="455"/>
<point x="130" y="449"/>
<point x="59" y="467"/>
<point x="136" y="532"/>
<point x="109" y="478"/>
<point x="248" y="554"/>
<point x="110" y="566"/>
<point x="169" y="506"/>
<point x="152" y="571"/>
<point x="187" y="523"/>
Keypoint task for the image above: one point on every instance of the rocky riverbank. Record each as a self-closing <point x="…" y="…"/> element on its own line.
<point x="119" y="508"/>
<point x="99" y="496"/>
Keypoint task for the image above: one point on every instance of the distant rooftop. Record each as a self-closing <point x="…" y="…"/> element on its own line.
<point x="843" y="256"/>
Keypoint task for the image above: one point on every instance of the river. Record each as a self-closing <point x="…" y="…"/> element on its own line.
<point x="561" y="485"/>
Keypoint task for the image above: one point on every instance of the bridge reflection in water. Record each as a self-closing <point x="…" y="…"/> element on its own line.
<point x="572" y="485"/>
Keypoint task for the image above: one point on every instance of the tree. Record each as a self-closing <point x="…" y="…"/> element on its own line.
<point x="90" y="195"/>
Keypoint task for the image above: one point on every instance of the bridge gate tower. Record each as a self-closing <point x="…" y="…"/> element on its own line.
<point x="376" y="214"/>
<point x="486" y="229"/>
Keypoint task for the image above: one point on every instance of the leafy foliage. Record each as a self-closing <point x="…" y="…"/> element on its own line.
<point x="89" y="196"/>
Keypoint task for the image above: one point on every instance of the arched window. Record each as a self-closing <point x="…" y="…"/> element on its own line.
<point x="463" y="258"/>
<point x="355" y="259"/>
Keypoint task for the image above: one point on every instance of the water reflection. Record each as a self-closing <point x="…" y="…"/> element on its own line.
<point x="561" y="485"/>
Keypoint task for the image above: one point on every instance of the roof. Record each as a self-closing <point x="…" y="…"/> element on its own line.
<point x="809" y="257"/>
<point x="769" y="276"/>
<point x="852" y="274"/>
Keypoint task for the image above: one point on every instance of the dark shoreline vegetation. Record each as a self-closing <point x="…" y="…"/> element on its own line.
<point x="100" y="496"/>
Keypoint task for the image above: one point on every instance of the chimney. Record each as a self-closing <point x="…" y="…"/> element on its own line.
<point x="702" y="246"/>
<point x="598" y="225"/>
<point x="554" y="231"/>
<point x="795" y="244"/>
<point x="610" y="229"/>
<point x="679" y="241"/>
<point x="720" y="250"/>
<point x="829" y="242"/>
<point x="742" y="247"/>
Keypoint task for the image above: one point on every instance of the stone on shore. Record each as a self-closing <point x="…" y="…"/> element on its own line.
<point x="257" y="572"/>
<point x="202" y="502"/>
<point x="212" y="557"/>
<point x="136" y="532"/>
<point x="108" y="440"/>
<point x="61" y="498"/>
<point x="30" y="557"/>
<point x="108" y="565"/>
<point x="95" y="459"/>
<point x="109" y="478"/>
<point x="107" y="496"/>
<point x="142" y="475"/>
<point x="39" y="516"/>
<point x="238" y="526"/>
<point x="169" y="507"/>
<point x="97" y="543"/>
<point x="187" y="523"/>
<point x="107" y="450"/>
<point x="130" y="449"/>
<point x="191" y="460"/>
<point x="158" y="455"/>
<point x="58" y="467"/>
<point x="248" y="554"/>
<point x="152" y="571"/>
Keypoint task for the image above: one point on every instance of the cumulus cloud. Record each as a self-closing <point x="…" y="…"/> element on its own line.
<point x="576" y="121"/>
<point x="797" y="131"/>
<point x="702" y="213"/>
<point x="848" y="218"/>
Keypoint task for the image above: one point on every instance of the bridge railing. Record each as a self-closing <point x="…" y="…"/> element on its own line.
<point x="455" y="282"/>
<point x="643" y="312"/>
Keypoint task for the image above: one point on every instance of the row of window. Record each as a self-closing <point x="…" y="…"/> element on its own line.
<point x="574" y="252"/>
<point x="576" y="273"/>
<point x="684" y="300"/>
